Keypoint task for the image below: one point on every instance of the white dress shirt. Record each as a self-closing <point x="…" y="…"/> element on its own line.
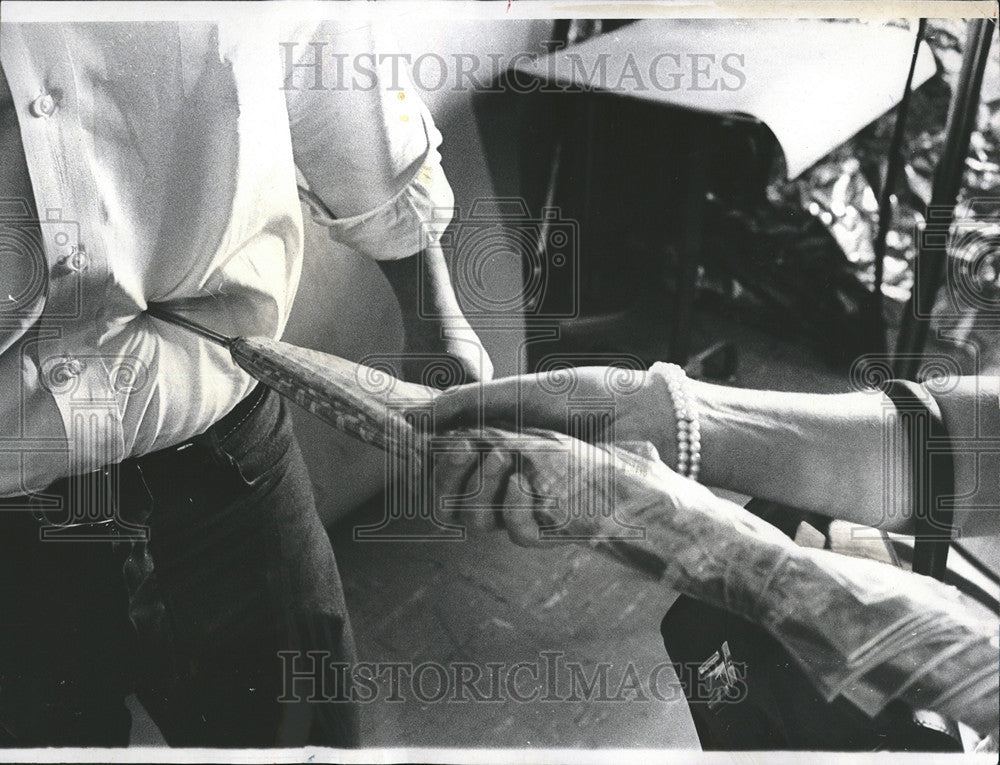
<point x="162" y="158"/>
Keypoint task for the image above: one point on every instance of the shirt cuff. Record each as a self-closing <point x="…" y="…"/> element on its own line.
<point x="407" y="223"/>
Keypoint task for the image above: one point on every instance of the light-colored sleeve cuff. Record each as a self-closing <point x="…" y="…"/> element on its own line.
<point x="404" y="225"/>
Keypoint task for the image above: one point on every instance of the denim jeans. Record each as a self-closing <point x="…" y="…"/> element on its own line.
<point x="237" y="567"/>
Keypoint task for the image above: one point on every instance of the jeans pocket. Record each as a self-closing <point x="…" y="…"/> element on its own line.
<point x="256" y="447"/>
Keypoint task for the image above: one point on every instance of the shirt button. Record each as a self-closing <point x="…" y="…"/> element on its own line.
<point x="43" y="106"/>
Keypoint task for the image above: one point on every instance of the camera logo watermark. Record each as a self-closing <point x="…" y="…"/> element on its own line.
<point x="498" y="235"/>
<point x="24" y="241"/>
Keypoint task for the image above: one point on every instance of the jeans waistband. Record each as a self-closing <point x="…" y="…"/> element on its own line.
<point x="225" y="425"/>
<point x="172" y="459"/>
<point x="242" y="410"/>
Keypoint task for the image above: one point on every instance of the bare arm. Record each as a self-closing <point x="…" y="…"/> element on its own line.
<point x="831" y="453"/>
<point x="433" y="322"/>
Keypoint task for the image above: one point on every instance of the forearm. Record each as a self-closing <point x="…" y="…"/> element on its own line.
<point x="433" y="323"/>
<point x="422" y="288"/>
<point x="845" y="455"/>
<point x="817" y="452"/>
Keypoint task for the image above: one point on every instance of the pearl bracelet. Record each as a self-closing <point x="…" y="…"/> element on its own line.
<point x="688" y="429"/>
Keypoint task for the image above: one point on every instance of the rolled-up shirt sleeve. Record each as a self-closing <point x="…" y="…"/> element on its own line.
<point x="364" y="141"/>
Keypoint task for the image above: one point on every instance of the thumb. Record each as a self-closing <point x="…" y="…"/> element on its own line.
<point x="521" y="518"/>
